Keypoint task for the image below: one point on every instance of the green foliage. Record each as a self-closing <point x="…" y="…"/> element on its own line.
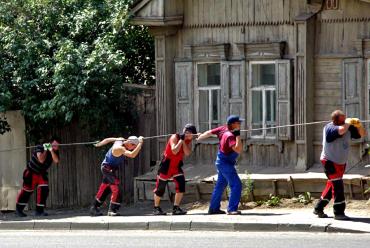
<point x="4" y="126"/>
<point x="304" y="198"/>
<point x="247" y="189"/>
<point x="273" y="201"/>
<point x="67" y="60"/>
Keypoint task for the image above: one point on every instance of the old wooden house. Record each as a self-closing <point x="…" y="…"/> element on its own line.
<point x="274" y="62"/>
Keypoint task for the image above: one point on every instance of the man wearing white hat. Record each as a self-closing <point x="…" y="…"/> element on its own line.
<point x="113" y="159"/>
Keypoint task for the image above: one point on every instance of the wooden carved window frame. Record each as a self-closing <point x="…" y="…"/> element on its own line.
<point x="332" y="4"/>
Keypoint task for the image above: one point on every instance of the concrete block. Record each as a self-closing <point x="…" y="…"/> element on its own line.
<point x="128" y="226"/>
<point x="89" y="226"/>
<point x="159" y="225"/>
<point x="17" y="225"/>
<point x="181" y="225"/>
<point x="48" y="225"/>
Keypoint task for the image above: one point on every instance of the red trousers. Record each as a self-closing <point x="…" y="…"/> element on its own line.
<point x="110" y="184"/>
<point x="31" y="180"/>
<point x="334" y="187"/>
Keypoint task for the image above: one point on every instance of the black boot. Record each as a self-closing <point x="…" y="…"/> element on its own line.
<point x="114" y="210"/>
<point x="40" y="211"/>
<point x="19" y="211"/>
<point x="95" y="209"/>
<point x="319" y="208"/>
<point x="320" y="213"/>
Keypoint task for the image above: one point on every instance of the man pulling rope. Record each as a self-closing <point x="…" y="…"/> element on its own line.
<point x="111" y="184"/>
<point x="336" y="144"/>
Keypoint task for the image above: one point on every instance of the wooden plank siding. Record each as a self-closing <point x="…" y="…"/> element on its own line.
<point x="75" y="180"/>
<point x="316" y="46"/>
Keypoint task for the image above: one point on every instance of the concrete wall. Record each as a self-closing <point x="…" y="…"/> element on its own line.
<point x="12" y="163"/>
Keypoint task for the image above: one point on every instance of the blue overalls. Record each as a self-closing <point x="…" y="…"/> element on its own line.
<point x="227" y="175"/>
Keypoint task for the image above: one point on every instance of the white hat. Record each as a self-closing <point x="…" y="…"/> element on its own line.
<point x="133" y="140"/>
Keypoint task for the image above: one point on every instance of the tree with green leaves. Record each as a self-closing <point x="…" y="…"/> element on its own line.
<point x="67" y="60"/>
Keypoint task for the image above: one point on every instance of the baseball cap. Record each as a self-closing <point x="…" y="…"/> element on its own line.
<point x="133" y="140"/>
<point x="191" y="128"/>
<point x="233" y="118"/>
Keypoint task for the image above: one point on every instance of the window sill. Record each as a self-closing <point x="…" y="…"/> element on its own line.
<point x="270" y="141"/>
<point x="264" y="142"/>
<point x="209" y="141"/>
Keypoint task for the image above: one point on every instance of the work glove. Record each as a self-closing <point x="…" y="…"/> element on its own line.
<point x="182" y="136"/>
<point x="354" y="122"/>
<point x="47" y="147"/>
<point x="236" y="133"/>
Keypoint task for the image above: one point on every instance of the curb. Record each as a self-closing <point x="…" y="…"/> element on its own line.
<point x="175" y="226"/>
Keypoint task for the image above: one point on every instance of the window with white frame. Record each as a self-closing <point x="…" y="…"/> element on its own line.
<point x="209" y="95"/>
<point x="263" y="98"/>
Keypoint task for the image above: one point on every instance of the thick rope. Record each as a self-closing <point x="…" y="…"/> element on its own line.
<point x="166" y="135"/>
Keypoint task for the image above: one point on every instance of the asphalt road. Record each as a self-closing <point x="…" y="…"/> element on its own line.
<point x="162" y="239"/>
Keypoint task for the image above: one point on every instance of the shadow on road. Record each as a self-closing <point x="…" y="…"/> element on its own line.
<point x="363" y="220"/>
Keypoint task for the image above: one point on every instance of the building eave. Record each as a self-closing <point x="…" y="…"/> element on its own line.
<point x="158" y="21"/>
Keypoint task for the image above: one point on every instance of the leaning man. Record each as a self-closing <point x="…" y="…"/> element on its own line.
<point x="336" y="144"/>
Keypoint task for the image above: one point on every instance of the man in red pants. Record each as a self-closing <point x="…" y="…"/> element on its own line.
<point x="178" y="146"/>
<point x="35" y="175"/>
<point x="336" y="144"/>
<point x="113" y="160"/>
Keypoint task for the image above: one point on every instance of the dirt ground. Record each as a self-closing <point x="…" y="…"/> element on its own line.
<point x="355" y="207"/>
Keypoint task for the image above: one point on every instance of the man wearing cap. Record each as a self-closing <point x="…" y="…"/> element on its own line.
<point x="229" y="149"/>
<point x="178" y="146"/>
<point x="336" y="144"/>
<point x="113" y="159"/>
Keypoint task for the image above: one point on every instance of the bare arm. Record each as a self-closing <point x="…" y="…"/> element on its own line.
<point x="343" y="129"/>
<point x="238" y="146"/>
<point x="205" y="135"/>
<point x="121" y="150"/>
<point x="107" y="141"/>
<point x="54" y="156"/>
<point x="176" y="144"/>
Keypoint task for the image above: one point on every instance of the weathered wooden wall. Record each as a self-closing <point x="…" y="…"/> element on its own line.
<point x="75" y="180"/>
<point x="338" y="35"/>
<point x="328" y="50"/>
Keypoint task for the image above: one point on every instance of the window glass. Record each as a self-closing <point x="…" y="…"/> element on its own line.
<point x="257" y="111"/>
<point x="203" y="110"/>
<point x="263" y="75"/>
<point x="216" y="100"/>
<point x="209" y="75"/>
<point x="263" y="99"/>
<point x="270" y="111"/>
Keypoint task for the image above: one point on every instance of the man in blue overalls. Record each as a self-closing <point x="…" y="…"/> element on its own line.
<point x="229" y="149"/>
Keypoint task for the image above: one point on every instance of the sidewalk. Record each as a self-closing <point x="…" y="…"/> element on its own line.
<point x="270" y="220"/>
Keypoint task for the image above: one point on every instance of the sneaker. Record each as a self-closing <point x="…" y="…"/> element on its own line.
<point x="113" y="213"/>
<point x="20" y="213"/>
<point x="94" y="211"/>
<point x="178" y="211"/>
<point x="341" y="217"/>
<point x="158" y="211"/>
<point x="320" y="213"/>
<point x="41" y="214"/>
<point x="218" y="211"/>
<point x="237" y="212"/>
